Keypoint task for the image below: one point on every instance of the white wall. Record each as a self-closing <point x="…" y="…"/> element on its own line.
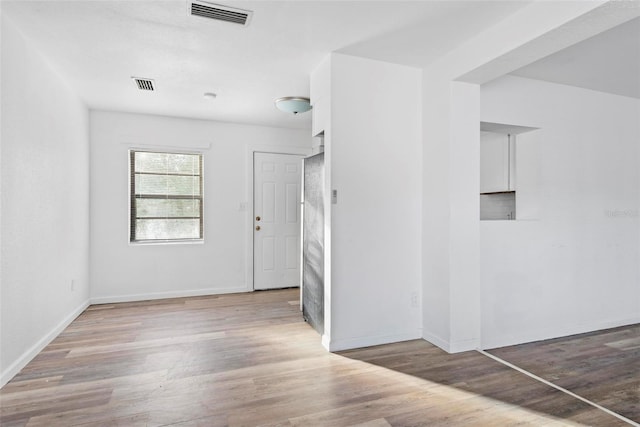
<point x="464" y="202"/>
<point x="572" y="265"/>
<point x="223" y="263"/>
<point x="436" y="300"/>
<point x="450" y="241"/>
<point x="375" y="164"/>
<point x="45" y="204"/>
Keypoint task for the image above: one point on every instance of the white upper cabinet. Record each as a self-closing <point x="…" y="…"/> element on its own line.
<point x="497" y="162"/>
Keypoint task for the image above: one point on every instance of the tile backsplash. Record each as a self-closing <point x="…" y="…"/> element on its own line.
<point x="498" y="206"/>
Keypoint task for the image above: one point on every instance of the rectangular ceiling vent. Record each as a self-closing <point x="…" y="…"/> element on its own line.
<point x="144" y="84"/>
<point x="220" y="12"/>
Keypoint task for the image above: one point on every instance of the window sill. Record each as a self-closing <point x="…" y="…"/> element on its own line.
<point x="167" y="242"/>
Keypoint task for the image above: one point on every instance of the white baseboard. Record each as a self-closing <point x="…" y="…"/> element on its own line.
<point x="436" y="340"/>
<point x="557" y="332"/>
<point x="32" y="352"/>
<point x="359" y="342"/>
<point x="169" y="294"/>
<point x="451" y="347"/>
<point x="465" y="345"/>
<point x="531" y="336"/>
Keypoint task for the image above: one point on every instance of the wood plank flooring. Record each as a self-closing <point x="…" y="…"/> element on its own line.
<point x="249" y="360"/>
<point x="602" y="366"/>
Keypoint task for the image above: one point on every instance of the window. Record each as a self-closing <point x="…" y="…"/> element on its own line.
<point x="166" y="196"/>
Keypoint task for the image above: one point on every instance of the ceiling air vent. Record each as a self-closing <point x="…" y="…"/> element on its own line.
<point x="144" y="84"/>
<point x="220" y="12"/>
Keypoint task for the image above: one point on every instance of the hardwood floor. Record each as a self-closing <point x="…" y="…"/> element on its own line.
<point x="249" y="359"/>
<point x="602" y="366"/>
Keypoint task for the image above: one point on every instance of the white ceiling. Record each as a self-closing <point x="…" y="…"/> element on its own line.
<point x="98" y="45"/>
<point x="608" y="62"/>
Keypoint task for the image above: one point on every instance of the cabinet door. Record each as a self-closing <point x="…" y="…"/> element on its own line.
<point x="494" y="162"/>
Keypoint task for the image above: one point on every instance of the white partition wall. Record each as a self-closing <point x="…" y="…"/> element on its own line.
<point x="573" y="266"/>
<point x="461" y="300"/>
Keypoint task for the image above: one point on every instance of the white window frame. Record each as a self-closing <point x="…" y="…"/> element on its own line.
<point x="133" y="196"/>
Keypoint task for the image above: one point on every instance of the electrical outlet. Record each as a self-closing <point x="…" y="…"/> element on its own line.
<point x="73" y="285"/>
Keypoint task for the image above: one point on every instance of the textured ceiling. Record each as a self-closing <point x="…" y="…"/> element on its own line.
<point x="98" y="45"/>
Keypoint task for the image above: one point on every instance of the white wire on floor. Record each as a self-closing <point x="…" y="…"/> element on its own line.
<point x="564" y="390"/>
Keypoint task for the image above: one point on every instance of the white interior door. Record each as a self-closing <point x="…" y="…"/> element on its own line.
<point x="276" y="220"/>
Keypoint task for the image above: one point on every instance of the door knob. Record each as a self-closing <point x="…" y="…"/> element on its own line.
<point x="257" y="218"/>
<point x="257" y="228"/>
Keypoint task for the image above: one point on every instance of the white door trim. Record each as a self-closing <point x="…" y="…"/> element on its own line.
<point x="299" y="151"/>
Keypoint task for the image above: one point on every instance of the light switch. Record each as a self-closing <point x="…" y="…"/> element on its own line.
<point x="334" y="197"/>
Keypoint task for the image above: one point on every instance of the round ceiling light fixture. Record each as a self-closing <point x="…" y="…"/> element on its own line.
<point x="293" y="104"/>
